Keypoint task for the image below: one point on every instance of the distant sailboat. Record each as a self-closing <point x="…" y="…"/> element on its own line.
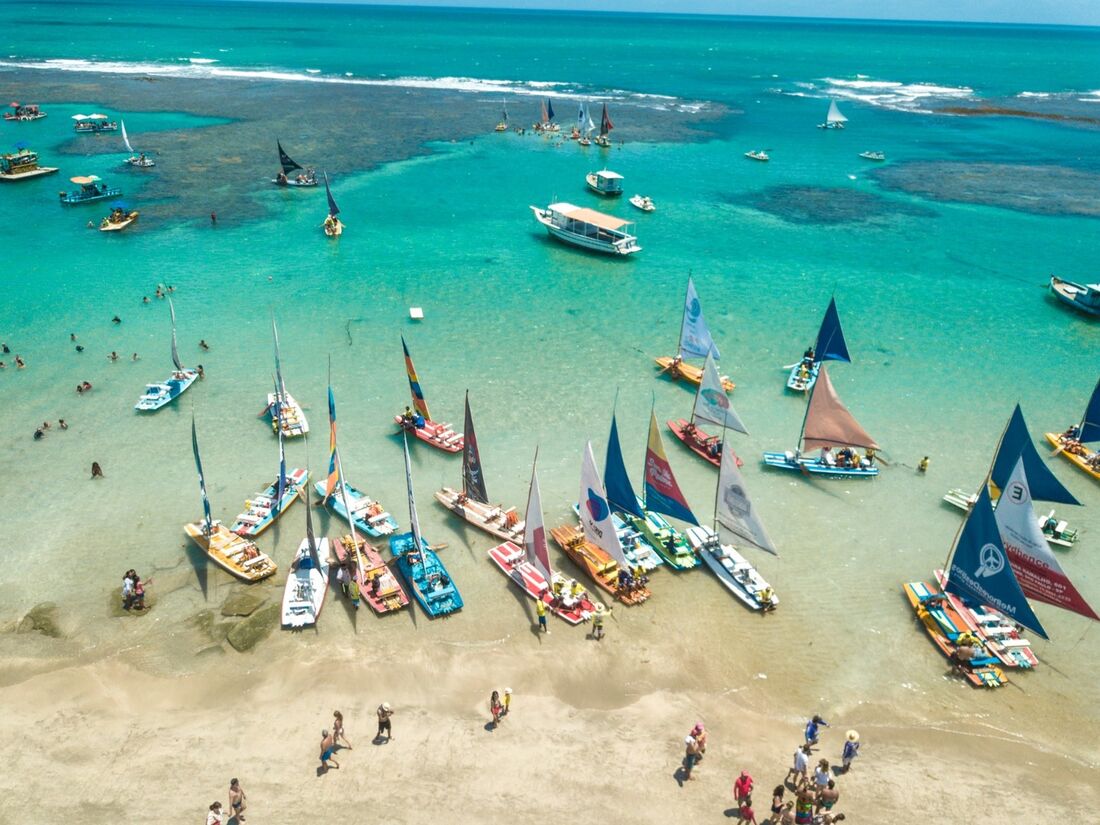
<point x="332" y="225"/>
<point x="588" y="127"/>
<point x="712" y="407"/>
<point x="605" y="128"/>
<point x="695" y="342"/>
<point x="833" y="120"/>
<point x="289" y="166"/>
<point x="502" y="126"/>
<point x="830" y="346"/>
<point x="134" y="159"/>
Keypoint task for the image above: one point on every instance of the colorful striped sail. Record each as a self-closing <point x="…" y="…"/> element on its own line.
<point x="419" y="404"/>
<point x="333" y="469"/>
<point x="662" y="493"/>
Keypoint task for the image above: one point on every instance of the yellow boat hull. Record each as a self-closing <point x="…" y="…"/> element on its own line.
<point x="1080" y="460"/>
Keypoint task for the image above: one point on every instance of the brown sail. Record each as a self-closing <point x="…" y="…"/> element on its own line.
<point x="828" y="422"/>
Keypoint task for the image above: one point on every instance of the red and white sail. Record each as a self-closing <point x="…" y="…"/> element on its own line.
<point x="534" y="530"/>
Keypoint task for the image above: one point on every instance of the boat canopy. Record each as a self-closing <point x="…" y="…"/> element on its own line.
<point x="608" y="175"/>
<point x="585" y="215"/>
<point x="84" y="180"/>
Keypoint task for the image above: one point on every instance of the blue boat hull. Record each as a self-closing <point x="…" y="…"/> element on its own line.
<point x="336" y="503"/>
<point x="812" y="465"/>
<point x="800" y="383"/>
<point x="158" y="395"/>
<point x="426" y="578"/>
<point x="75" y="198"/>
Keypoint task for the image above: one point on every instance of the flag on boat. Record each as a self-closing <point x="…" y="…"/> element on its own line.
<point x="419" y="404"/>
<point x="207" y="518"/>
<point x="662" y="493"/>
<point x="980" y="570"/>
<point x="620" y="492"/>
<point x="414" y="522"/>
<point x="1089" y="429"/>
<point x="695" y="340"/>
<point x="175" y="349"/>
<point x="734" y="510"/>
<point x="595" y="512"/>
<point x="284" y="160"/>
<point x="473" y="482"/>
<point x="1036" y="568"/>
<point x="1016" y="443"/>
<point x="534" y="530"/>
<point x="831" y="345"/>
<point x="333" y="470"/>
<point x="711" y="402"/>
<point x="605" y="122"/>
<point x="828" y="422"/>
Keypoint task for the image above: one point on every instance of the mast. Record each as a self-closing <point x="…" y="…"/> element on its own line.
<point x="311" y="540"/>
<point x="351" y="516"/>
<point x="414" y="522"/>
<point x="175" y="349"/>
<point x="684" y="316"/>
<point x="280" y="387"/>
<point x="280" y="487"/>
<point x="333" y="473"/>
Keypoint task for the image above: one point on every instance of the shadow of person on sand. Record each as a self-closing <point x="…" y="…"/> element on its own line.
<point x="681" y="775"/>
<point x="732" y="812"/>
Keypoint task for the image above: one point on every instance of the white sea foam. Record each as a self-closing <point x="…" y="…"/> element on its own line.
<point x="202" y="61"/>
<point x="889" y="94"/>
<point x="1034" y="94"/>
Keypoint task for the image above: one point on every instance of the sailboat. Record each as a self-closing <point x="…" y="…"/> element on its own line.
<point x="332" y="225"/>
<point x="472" y="504"/>
<point x="711" y="406"/>
<point x="171" y="388"/>
<point x="135" y="160"/>
<point x="529" y="567"/>
<point x="735" y="520"/>
<point x="661" y="495"/>
<point x="1056" y="531"/>
<point x="418" y="420"/>
<point x="833" y="120"/>
<point x="1071" y="443"/>
<point x="234" y="554"/>
<point x="594" y="546"/>
<point x="548" y="124"/>
<point x="430" y="582"/>
<point x="695" y="342"/>
<point x="308" y="177"/>
<point x="588" y="128"/>
<point x="281" y="407"/>
<point x="307" y="583"/>
<point x="263" y="508"/>
<point x="830" y="346"/>
<point x="828" y="424"/>
<point x="502" y="126"/>
<point x="366" y="514"/>
<point x="605" y="129"/>
<point x="578" y="127"/>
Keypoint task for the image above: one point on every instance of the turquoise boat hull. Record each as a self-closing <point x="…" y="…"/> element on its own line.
<point x="812" y="465"/>
<point x="384" y="527"/>
<point x="429" y="580"/>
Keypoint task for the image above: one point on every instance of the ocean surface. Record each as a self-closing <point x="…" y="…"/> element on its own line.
<point x="938" y="260"/>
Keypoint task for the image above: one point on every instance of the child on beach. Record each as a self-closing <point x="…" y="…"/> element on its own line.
<point x="495" y="708"/>
<point x="214" y="815"/>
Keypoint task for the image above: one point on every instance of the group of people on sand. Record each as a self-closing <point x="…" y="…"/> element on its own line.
<point x="499" y="705"/>
<point x="133" y="591"/>
<point x="238" y="801"/>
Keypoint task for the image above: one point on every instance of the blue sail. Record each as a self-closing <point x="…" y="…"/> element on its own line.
<point x="831" y="345"/>
<point x="1015" y="443"/>
<point x="208" y="519"/>
<point x="549" y="109"/>
<point x="333" y="209"/>
<point x="980" y="570"/>
<point x="1090" y="424"/>
<point x="616" y="482"/>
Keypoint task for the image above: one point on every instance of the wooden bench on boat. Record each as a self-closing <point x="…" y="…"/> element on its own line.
<point x="603" y="569"/>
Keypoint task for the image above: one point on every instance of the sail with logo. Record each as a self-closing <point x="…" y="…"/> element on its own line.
<point x="595" y="512"/>
<point x="473" y="480"/>
<point x="661" y="493"/>
<point x="1016" y="444"/>
<point x="534" y="529"/>
<point x="734" y="511"/>
<point x="695" y="342"/>
<point x="711" y="402"/>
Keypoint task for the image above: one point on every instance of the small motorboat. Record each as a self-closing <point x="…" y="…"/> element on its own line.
<point x="91" y="189"/>
<point x="873" y="155"/>
<point x="758" y="154"/>
<point x="118" y="220"/>
<point x="1082" y="297"/>
<point x="605" y="182"/>
<point x="643" y="202"/>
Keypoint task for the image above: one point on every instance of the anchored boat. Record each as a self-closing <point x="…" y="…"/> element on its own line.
<point x="263" y="508"/>
<point x="332" y="226"/>
<point x="606" y="183"/>
<point x="22" y="164"/>
<point x="92" y="188"/>
<point x="307" y="583"/>
<point x="118" y="220"/>
<point x="418" y="420"/>
<point x="879" y="156"/>
<point x="712" y="406"/>
<point x="157" y="395"/>
<point x="285" y="413"/>
<point x="24" y="112"/>
<point x="603" y="140"/>
<point x="1055" y="530"/>
<point x="758" y="154"/>
<point x="624" y="503"/>
<point x="830" y="346"/>
<point x="834" y="119"/>
<point x="695" y="342"/>
<point x="93" y="124"/>
<point x="1084" y="298"/>
<point x="998" y="634"/>
<point x="1072" y="443"/>
<point x="135" y="159"/>
<point x="587" y="228"/>
<point x="307" y="177"/>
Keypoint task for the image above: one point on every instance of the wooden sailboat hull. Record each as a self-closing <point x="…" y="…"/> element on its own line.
<point x="1081" y="297"/>
<point x="263" y="509"/>
<point x="370" y="516"/>
<point x="167" y="391"/>
<point x="306" y="586"/>
<point x="491" y="518"/>
<point x="637" y="549"/>
<point x="512" y="562"/>
<point x="601" y="568"/>
<point x="699" y="442"/>
<point x="658" y="532"/>
<point x="232" y="553"/>
<point x="997" y="633"/>
<point x="734" y="572"/>
<point x="428" y="579"/>
<point x="435" y="433"/>
<point x="387" y="596"/>
<point x="294" y="420"/>
<point x="811" y="465"/>
<point x="687" y="372"/>
<point x="334" y="229"/>
<point x="1080" y="461"/>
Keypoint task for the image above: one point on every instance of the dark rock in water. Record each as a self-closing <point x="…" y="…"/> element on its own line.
<point x="249" y="632"/>
<point x="43" y="618"/>
<point x="210" y="651"/>
<point x="206" y="622"/>
<point x="242" y="602"/>
<point x="826" y="205"/>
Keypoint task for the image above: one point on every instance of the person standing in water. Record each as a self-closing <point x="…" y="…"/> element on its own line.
<point x="97" y="471"/>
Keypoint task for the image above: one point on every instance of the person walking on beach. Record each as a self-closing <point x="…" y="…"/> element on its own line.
<point x="328" y="748"/>
<point x="821" y="776"/>
<point x="495" y="708"/>
<point x="338" y="729"/>
<point x="812" y="729"/>
<point x="507" y="701"/>
<point x="597" y="624"/>
<point x="827" y="797"/>
<point x="700" y="734"/>
<point x="691" y="755"/>
<point x="777" y="804"/>
<point x="851" y="750"/>
<point x="384" y="714"/>
<point x="237" y="800"/>
<point x="742" y="787"/>
<point x="540" y="611"/>
<point x="801" y="765"/>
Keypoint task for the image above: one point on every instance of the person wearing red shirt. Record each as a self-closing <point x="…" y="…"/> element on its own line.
<point x="742" y="787"/>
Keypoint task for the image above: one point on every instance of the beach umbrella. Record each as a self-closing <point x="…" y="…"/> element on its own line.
<point x="21" y="145"/>
<point x="14" y="104"/>
<point x="119" y="205"/>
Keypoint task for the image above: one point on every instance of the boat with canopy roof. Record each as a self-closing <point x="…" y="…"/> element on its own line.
<point x="307" y="177"/>
<point x="157" y="395"/>
<point x="605" y="182"/>
<point x="695" y="342"/>
<point x="22" y="164"/>
<point x="418" y="420"/>
<point x="24" y="111"/>
<point x="587" y="228"/>
<point x="1072" y="444"/>
<point x="92" y="188"/>
<point x="93" y="124"/>
<point x="118" y="220"/>
<point x="830" y="346"/>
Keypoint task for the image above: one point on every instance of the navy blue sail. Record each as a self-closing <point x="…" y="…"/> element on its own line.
<point x="207" y="518"/>
<point x="1015" y="443"/>
<point x="831" y="345"/>
<point x="473" y="480"/>
<point x="333" y="209"/>
<point x="549" y="109"/>
<point x="616" y="482"/>
<point x="1090" y="424"/>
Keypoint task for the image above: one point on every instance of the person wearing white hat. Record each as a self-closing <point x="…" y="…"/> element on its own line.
<point x="851" y="749"/>
<point x="507" y="701"/>
<point x="384" y="714"/>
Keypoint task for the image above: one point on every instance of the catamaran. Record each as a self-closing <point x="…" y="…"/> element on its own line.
<point x="587" y="127"/>
<point x="263" y="508"/>
<point x="588" y="228"/>
<point x="1071" y="443"/>
<point x="281" y="407"/>
<point x="828" y="424"/>
<point x="605" y="182"/>
<point x="735" y="520"/>
<point x="307" y="583"/>
<point x="711" y="406"/>
<point x="233" y="553"/>
<point x="594" y="546"/>
<point x="430" y="582"/>
<point x="1082" y="297"/>
<point x="830" y="346"/>
<point x="308" y="177"/>
<point x="92" y="188"/>
<point x="333" y="227"/>
<point x="528" y="567"/>
<point x="546" y="123"/>
<point x="157" y="395"/>
<point x="502" y="126"/>
<point x="833" y="120"/>
<point x="603" y="139"/>
<point x="1000" y="637"/>
<point x="22" y="164"/>
<point x="472" y="504"/>
<point x="695" y="342"/>
<point x="135" y="159"/>
<point x="418" y="420"/>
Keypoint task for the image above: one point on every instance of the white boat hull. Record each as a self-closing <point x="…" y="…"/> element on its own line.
<point x="732" y="569"/>
<point x="306" y="586"/>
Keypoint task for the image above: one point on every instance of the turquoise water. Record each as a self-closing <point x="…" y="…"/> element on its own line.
<point x="943" y="305"/>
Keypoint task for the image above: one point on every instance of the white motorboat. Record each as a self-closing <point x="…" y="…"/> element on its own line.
<point x="587" y="228"/>
<point x="643" y="202"/>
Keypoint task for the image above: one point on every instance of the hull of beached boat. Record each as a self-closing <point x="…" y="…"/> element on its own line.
<point x="488" y="517"/>
<point x="511" y="560"/>
<point x="388" y="596"/>
<point x="637" y="550"/>
<point x="938" y="622"/>
<point x="306" y="586"/>
<point x="370" y="516"/>
<point x="700" y="442"/>
<point x="76" y="198"/>
<point x="657" y="532"/>
<point x="734" y="572"/>
<point x="799" y="381"/>
<point x="810" y="465"/>
<point x="158" y="395"/>
<point x="28" y="174"/>
<point x="688" y="372"/>
<point x="435" y="433"/>
<point x="1061" y="536"/>
<point x="1081" y="297"/>
<point x="118" y="226"/>
<point x="294" y="420"/>
<point x="998" y="633"/>
<point x="425" y="578"/>
<point x="263" y="508"/>
<point x="234" y="554"/>
<point x="601" y="568"/>
<point x="1080" y="461"/>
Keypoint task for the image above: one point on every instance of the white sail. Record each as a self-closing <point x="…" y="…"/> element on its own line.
<point x="534" y="530"/>
<point x="711" y="402"/>
<point x="695" y="337"/>
<point x="595" y="512"/>
<point x="734" y="510"/>
<point x="125" y="139"/>
<point x="175" y="349"/>
<point x="580" y="116"/>
<point x="589" y="126"/>
<point x="834" y="115"/>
